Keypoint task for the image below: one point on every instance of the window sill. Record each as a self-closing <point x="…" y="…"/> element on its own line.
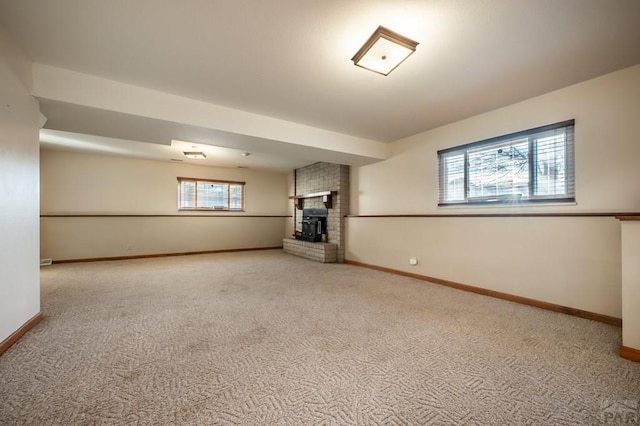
<point x="507" y="206"/>
<point x="212" y="210"/>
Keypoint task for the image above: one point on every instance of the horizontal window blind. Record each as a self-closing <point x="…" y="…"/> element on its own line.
<point x="206" y="194"/>
<point x="525" y="167"/>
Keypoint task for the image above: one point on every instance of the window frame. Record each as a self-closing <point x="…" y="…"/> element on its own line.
<point x="228" y="184"/>
<point x="505" y="199"/>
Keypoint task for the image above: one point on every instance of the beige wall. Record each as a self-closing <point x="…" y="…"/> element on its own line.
<point x="581" y="256"/>
<point x="19" y="262"/>
<point x="572" y="262"/>
<point x="77" y="183"/>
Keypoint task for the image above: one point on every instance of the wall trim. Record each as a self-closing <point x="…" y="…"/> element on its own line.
<point x="621" y="216"/>
<point x="628" y="218"/>
<point x="499" y="295"/>
<point x="159" y="215"/>
<point x="630" y="353"/>
<point x="146" y="256"/>
<point x="16" y="335"/>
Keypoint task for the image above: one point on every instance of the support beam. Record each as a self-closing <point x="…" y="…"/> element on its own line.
<point x="70" y="87"/>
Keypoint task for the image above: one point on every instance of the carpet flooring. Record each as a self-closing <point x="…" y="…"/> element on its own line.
<point x="265" y="338"/>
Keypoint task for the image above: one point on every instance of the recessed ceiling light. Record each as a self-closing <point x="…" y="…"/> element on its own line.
<point x="384" y="51"/>
<point x="196" y="155"/>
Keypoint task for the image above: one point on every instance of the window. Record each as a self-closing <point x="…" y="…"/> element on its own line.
<point x="204" y="194"/>
<point x="530" y="166"/>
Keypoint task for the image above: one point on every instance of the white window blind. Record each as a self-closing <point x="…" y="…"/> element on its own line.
<point x="525" y="167"/>
<point x="204" y="194"/>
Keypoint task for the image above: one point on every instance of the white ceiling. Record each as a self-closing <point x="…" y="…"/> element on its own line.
<point x="290" y="59"/>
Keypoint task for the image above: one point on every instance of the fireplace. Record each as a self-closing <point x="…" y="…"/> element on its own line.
<point x="320" y="195"/>
<point x="314" y="225"/>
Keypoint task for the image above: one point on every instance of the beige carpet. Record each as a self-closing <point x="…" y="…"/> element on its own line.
<point x="267" y="338"/>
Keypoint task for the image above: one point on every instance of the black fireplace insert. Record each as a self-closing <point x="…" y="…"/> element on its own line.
<point x="314" y="225"/>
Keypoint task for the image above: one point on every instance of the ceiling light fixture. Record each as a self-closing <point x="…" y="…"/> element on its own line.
<point x="384" y="51"/>
<point x="196" y="155"/>
<point x="245" y="154"/>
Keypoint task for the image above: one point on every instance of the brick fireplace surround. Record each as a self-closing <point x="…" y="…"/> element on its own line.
<point x="313" y="179"/>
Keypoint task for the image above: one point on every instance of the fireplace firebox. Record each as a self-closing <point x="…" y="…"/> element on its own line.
<point x="314" y="225"/>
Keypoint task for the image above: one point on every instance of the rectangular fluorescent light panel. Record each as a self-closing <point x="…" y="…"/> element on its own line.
<point x="196" y="155"/>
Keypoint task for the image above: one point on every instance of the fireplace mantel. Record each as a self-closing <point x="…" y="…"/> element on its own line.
<point x="327" y="198"/>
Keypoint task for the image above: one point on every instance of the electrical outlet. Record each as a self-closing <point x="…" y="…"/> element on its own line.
<point x="413" y="261"/>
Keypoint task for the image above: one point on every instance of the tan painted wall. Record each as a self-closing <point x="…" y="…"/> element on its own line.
<point x="19" y="263"/>
<point x="568" y="261"/>
<point x="581" y="256"/>
<point x="82" y="238"/>
<point x="76" y="183"/>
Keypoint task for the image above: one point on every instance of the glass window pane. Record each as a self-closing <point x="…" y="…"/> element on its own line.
<point x="454" y="177"/>
<point x="187" y="194"/>
<point x="550" y="165"/>
<point x="212" y="195"/>
<point x="501" y="170"/>
<point x="235" y="196"/>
